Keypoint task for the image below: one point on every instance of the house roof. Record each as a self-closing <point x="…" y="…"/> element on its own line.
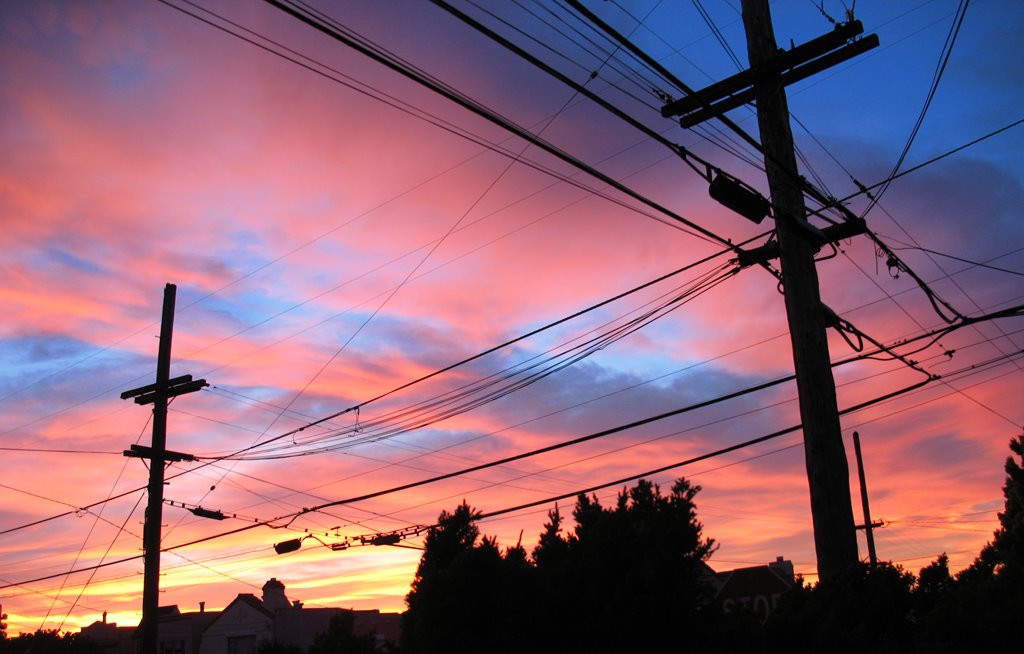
<point x="294" y="624"/>
<point x="243" y="599"/>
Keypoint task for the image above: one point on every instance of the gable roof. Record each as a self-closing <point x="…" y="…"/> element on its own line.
<point x="243" y="600"/>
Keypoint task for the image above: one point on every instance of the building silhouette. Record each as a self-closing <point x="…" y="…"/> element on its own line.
<point x="243" y="624"/>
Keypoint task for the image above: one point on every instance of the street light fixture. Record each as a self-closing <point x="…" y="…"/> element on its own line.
<point x="739" y="197"/>
<point x="287" y="546"/>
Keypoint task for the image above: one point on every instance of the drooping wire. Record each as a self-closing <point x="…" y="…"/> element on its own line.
<point x="409" y="384"/>
<point x="98" y="517"/>
<point x="269" y="523"/>
<point x="866" y="190"/>
<point x="977" y="264"/>
<point x="419" y="264"/>
<point x="489" y="389"/>
<point x="718" y="34"/>
<point x="494" y="349"/>
<point x="947" y="50"/>
<point x="88" y="582"/>
<point x="353" y="41"/>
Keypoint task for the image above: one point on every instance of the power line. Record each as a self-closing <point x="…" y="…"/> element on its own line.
<point x="401" y="284"/>
<point x="947" y="50"/>
<point x="493" y="349"/>
<point x="132" y="575"/>
<point x="685" y="462"/>
<point x="933" y="334"/>
<point x="854" y="408"/>
<point x="603" y="433"/>
<point x="437" y="244"/>
<point x="968" y="370"/>
<point x="425" y="452"/>
<point x="968" y="261"/>
<point x="717" y="34"/>
<point x="806" y="188"/>
<point x="534" y="474"/>
<point x="320" y="68"/>
<point x="78" y="598"/>
<point x="352" y="41"/>
<point x="44" y="450"/>
<point x="549" y="500"/>
<point x="864" y="190"/>
<point x="292" y="516"/>
<point x="406" y="385"/>
<point x="608" y="56"/>
<point x="496" y="386"/>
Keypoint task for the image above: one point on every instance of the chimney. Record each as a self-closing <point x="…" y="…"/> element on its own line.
<point x="202" y="607"/>
<point x="783" y="568"/>
<point x="273" y="595"/>
<point x="104" y="617"/>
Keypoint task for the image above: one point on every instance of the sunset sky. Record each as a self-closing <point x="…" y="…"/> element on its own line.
<point x="336" y="231"/>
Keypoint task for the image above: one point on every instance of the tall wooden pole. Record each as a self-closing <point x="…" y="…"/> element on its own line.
<point x="868" y="526"/>
<point x="835" y="540"/>
<point x="158" y="394"/>
<point x="154" y="509"/>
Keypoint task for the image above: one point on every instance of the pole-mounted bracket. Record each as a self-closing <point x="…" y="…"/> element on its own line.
<point x="873" y="525"/>
<point x="144" y="452"/>
<point x="177" y="386"/>
<point x="789" y="66"/>
<point x="830" y="234"/>
<point x="759" y="255"/>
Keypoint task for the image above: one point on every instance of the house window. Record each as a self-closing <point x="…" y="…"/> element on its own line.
<point x="172" y="647"/>
<point x="242" y="644"/>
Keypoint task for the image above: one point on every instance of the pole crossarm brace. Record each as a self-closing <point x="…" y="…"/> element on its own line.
<point x="174" y="387"/>
<point x="830" y="234"/>
<point x="789" y="65"/>
<point x="874" y="525"/>
<point x="143" y="452"/>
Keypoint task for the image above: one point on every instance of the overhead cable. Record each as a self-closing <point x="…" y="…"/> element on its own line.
<point x="292" y="516"/>
<point x="496" y="348"/>
<point x="490" y="115"/>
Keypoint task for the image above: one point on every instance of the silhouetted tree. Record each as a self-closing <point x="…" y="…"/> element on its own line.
<point x="466" y="596"/>
<point x="277" y="647"/>
<point x="627" y="578"/>
<point x="982" y="606"/>
<point x="934" y="584"/>
<point x="49" y="642"/>
<point x="340" y="638"/>
<point x="1008" y="541"/>
<point x="884" y="610"/>
<point x="551" y="548"/>
<point x="865" y="610"/>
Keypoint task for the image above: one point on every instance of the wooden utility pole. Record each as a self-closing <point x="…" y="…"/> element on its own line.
<point x="868" y="526"/>
<point x="157" y="394"/>
<point x="835" y="540"/>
